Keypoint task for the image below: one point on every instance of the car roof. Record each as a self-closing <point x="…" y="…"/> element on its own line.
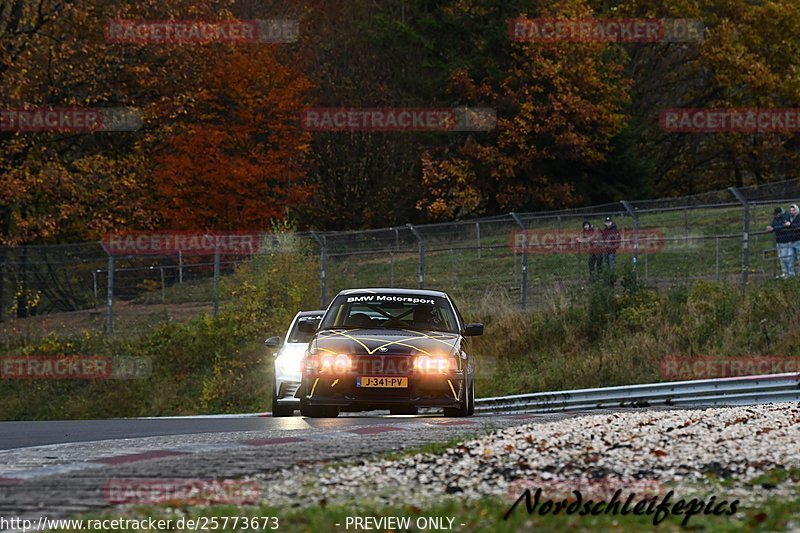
<point x="311" y="313"/>
<point x="420" y="292"/>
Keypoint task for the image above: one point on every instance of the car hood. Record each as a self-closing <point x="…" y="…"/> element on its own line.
<point x="386" y="342"/>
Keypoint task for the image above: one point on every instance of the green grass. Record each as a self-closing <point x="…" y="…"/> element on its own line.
<point x="430" y="447"/>
<point x="776" y="477"/>
<point x="478" y="515"/>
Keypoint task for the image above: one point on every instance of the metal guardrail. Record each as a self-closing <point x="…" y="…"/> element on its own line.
<point x="746" y="390"/>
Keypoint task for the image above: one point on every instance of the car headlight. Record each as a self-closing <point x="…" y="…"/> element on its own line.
<point x="435" y="364"/>
<point x="291" y="365"/>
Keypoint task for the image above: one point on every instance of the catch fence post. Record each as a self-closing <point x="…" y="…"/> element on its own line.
<point x="635" y="224"/>
<point x="94" y="287"/>
<point x="745" y="233"/>
<point x="452" y="270"/>
<point x="421" y="269"/>
<point x="216" y="279"/>
<point x="3" y="253"/>
<point x="391" y="269"/>
<point x="523" y="289"/>
<point x="323" y="266"/>
<point x="686" y="221"/>
<point x="478" y="233"/>
<point x="110" y="297"/>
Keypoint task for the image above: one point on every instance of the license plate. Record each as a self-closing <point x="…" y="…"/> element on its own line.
<point x="382" y="382"/>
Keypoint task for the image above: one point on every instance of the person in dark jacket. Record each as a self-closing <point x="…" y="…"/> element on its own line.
<point x="591" y="239"/>
<point x="611" y="239"/>
<point x="782" y="242"/>
<point x="792" y="229"/>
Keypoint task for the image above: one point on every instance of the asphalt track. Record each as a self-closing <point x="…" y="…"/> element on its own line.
<point x="60" y="468"/>
<point x="41" y="433"/>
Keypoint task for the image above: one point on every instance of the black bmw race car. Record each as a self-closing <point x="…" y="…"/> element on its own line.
<point x="396" y="349"/>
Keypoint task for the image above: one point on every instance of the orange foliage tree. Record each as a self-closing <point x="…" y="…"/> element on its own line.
<point x="239" y="162"/>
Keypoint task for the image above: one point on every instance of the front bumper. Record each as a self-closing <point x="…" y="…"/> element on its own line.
<point x="287" y="392"/>
<point x="446" y="390"/>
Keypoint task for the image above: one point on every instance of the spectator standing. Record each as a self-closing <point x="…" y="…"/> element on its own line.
<point x="593" y="241"/>
<point x="611" y="239"/>
<point x="777" y="226"/>
<point x="792" y="228"/>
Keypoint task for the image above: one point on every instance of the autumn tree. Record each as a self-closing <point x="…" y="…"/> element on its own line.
<point x="238" y="161"/>
<point x="748" y="58"/>
<point x="559" y="106"/>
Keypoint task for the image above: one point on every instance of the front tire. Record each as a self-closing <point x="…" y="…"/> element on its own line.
<point x="467" y="407"/>
<point x="279" y="410"/>
<point x="471" y="410"/>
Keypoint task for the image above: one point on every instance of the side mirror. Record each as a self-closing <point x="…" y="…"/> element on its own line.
<point x="473" y="330"/>
<point x="273" y="342"/>
<point x="308" y="326"/>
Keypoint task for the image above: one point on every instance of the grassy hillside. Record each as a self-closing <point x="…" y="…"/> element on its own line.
<point x="596" y="336"/>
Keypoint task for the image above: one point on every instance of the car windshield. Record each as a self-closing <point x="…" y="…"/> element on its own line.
<point x="299" y="336"/>
<point x="395" y="311"/>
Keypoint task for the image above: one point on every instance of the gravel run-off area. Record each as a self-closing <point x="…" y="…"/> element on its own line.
<point x="688" y="450"/>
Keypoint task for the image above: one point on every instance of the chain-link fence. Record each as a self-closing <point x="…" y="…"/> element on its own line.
<point x="714" y="236"/>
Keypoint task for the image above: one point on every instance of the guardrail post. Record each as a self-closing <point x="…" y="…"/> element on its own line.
<point x="421" y="270"/>
<point x="523" y="289"/>
<point x="745" y="234"/>
<point x="635" y="224"/>
<point x="180" y="266"/>
<point x="323" y="266"/>
<point x="110" y="297"/>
